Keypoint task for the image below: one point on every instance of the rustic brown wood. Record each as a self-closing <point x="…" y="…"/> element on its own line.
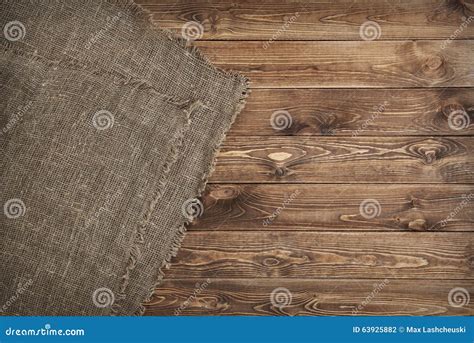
<point x="336" y="207"/>
<point x="319" y="297"/>
<point x="356" y="112"/>
<point x="438" y="255"/>
<point x="312" y="20"/>
<point x="283" y="206"/>
<point x="346" y="160"/>
<point x="371" y="64"/>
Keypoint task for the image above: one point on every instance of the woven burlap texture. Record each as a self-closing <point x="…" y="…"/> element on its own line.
<point x="109" y="127"/>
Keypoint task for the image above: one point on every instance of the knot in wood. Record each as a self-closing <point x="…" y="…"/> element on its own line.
<point x="417" y="224"/>
<point x="280" y="171"/>
<point x="434" y="62"/>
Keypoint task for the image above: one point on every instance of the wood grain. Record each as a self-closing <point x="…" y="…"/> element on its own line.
<point x="253" y="207"/>
<point x="320" y="297"/>
<point x="328" y="20"/>
<point x="345" y="160"/>
<point x="356" y="112"/>
<point x="371" y="64"/>
<point x="439" y="255"/>
<point x="368" y="120"/>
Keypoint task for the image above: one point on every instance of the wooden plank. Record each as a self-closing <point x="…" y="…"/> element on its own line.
<point x="357" y="112"/>
<point x="317" y="297"/>
<point x="345" y="160"/>
<point x="315" y="20"/>
<point x="434" y="255"/>
<point x="336" y="207"/>
<point x="373" y="64"/>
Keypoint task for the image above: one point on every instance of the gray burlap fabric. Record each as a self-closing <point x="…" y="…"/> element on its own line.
<point x="109" y="128"/>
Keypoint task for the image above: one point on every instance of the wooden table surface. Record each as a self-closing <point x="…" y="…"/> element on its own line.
<point x="362" y="203"/>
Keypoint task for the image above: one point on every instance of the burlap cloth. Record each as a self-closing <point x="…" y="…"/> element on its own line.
<point x="108" y="132"/>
